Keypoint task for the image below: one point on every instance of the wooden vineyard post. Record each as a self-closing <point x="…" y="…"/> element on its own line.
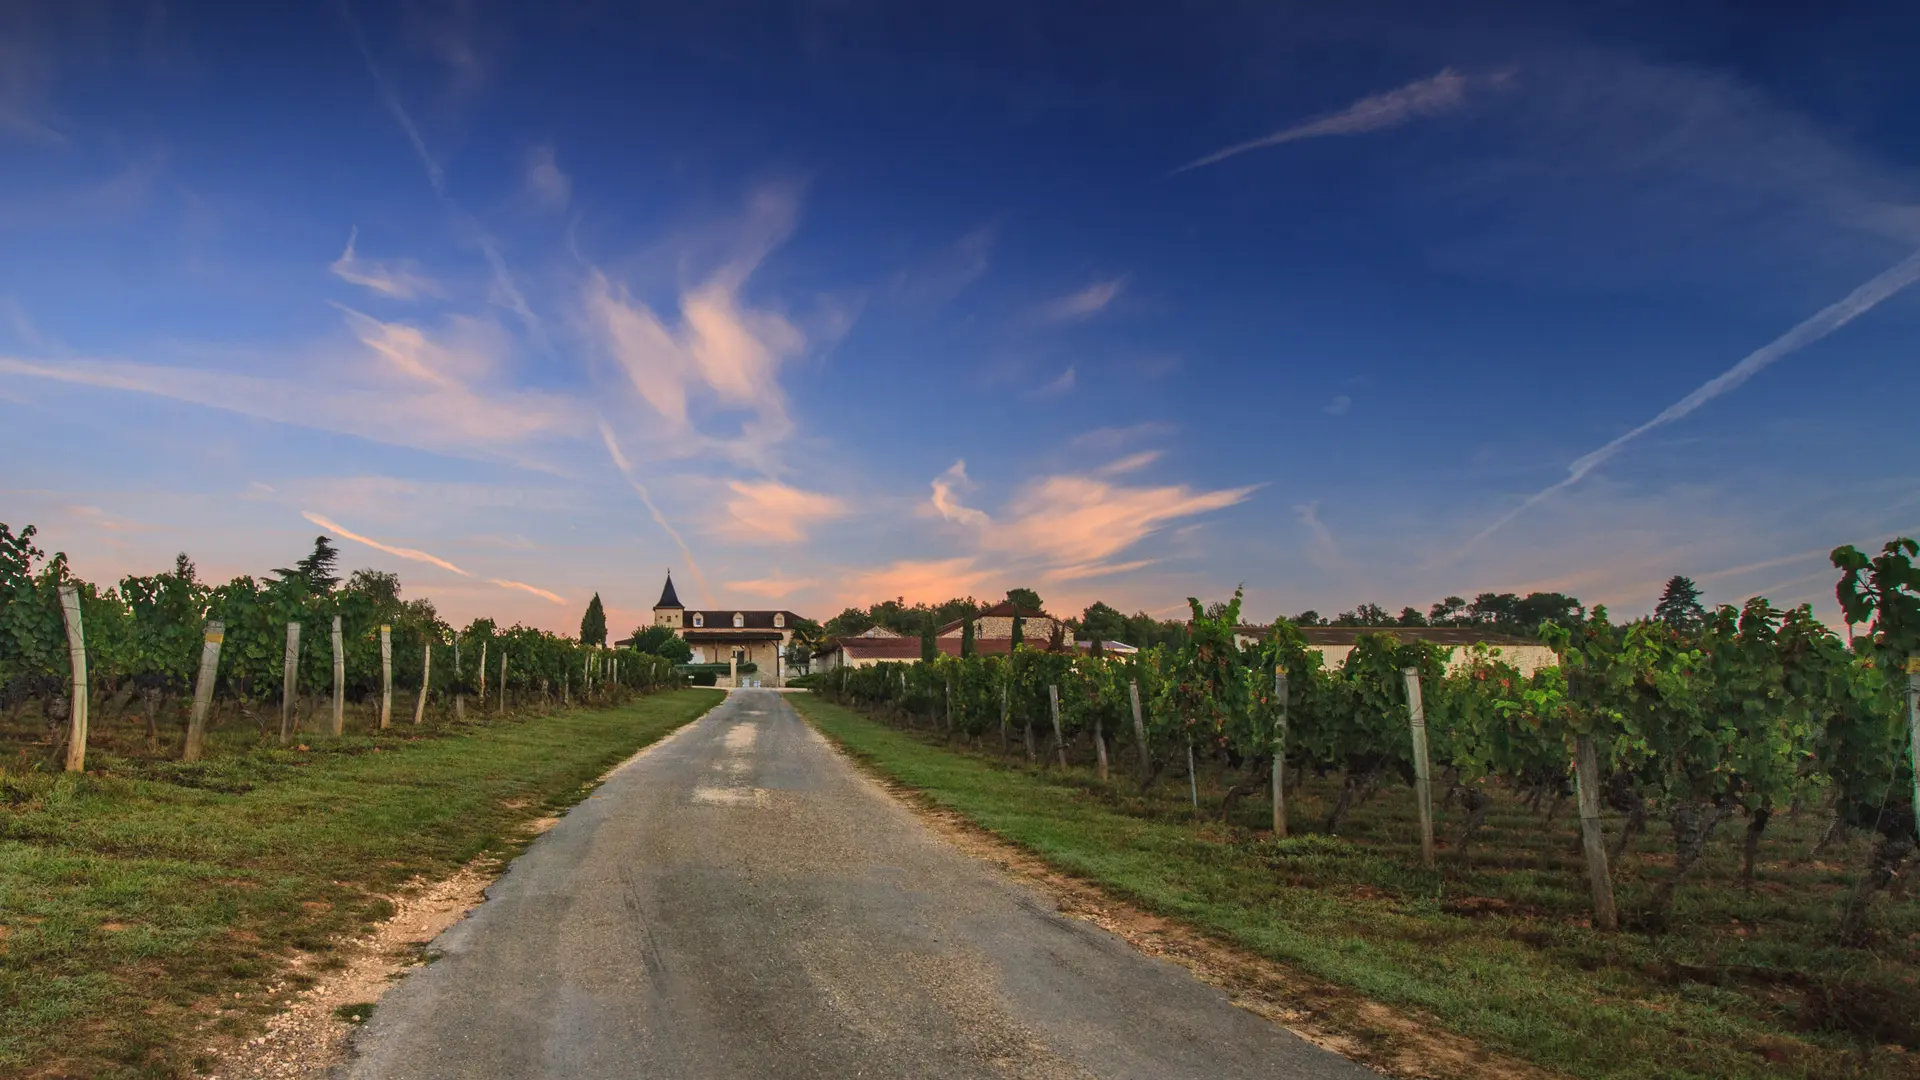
<point x="1100" y="743"/>
<point x="1422" y="777"/>
<point x="1280" y="704"/>
<point x="566" y="688"/>
<point x="290" y="683"/>
<point x="1586" y="772"/>
<point x="1913" y="727"/>
<point x="1059" y="740"/>
<point x="586" y="675"/>
<point x="77" y="661"/>
<point x="459" y="695"/>
<point x="339" y="726"/>
<point x="1193" y="779"/>
<point x="483" y="677"/>
<point x="1003" y="718"/>
<point x="386" y="676"/>
<point x="1139" y="727"/>
<point x="203" y="689"/>
<point x="500" y="707"/>
<point x="426" y="680"/>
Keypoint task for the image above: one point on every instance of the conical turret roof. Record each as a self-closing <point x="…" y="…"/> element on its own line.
<point x="669" y="598"/>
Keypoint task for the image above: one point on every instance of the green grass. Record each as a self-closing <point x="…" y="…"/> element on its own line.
<point x="1745" y="984"/>
<point x="138" y="900"/>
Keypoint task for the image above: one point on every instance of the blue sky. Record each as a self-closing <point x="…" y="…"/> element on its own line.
<point x="824" y="303"/>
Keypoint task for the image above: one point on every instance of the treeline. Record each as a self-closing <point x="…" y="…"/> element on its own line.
<point x="1504" y="613"/>
<point x="1098" y="620"/>
<point x="145" y="638"/>
<point x="1742" y="712"/>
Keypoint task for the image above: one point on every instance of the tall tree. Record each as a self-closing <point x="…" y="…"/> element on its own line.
<point x="380" y="586"/>
<point x="929" y="648"/>
<point x="1102" y="623"/>
<point x="648" y="639"/>
<point x="593" y="625"/>
<point x="1372" y="615"/>
<point x="1019" y="633"/>
<point x="848" y="623"/>
<point x="1448" y="612"/>
<point x="1025" y="600"/>
<point x="316" y="569"/>
<point x="967" y="647"/>
<point x="1410" y="616"/>
<point x="1680" y="606"/>
<point x="1308" y="617"/>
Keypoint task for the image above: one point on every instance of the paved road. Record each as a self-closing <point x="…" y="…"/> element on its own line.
<point x="738" y="902"/>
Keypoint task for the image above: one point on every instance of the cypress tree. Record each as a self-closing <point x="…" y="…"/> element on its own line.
<point x="928" y="647"/>
<point x="1019" y="631"/>
<point x="967" y="647"/>
<point x="593" y="625"/>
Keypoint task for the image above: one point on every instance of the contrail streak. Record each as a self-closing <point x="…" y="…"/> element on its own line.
<point x="1826" y="321"/>
<point x="620" y="460"/>
<point x="1433" y="96"/>
<point x="402" y="552"/>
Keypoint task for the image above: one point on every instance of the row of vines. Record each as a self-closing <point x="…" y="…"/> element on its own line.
<point x="145" y="640"/>
<point x="1760" y="710"/>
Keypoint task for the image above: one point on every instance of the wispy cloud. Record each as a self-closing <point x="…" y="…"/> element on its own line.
<point x="504" y="291"/>
<point x="722" y="352"/>
<point x="626" y="469"/>
<point x="947" y="504"/>
<point x="1074" y="525"/>
<point x="25" y="73"/>
<point x="770" y="512"/>
<point x="1826" y="321"/>
<point x="1111" y="440"/>
<point x="1433" y="96"/>
<point x="773" y="588"/>
<point x="400" y="401"/>
<point x="1083" y="304"/>
<point x="526" y="588"/>
<point x="1341" y="405"/>
<point x="1321" y="548"/>
<point x="412" y="554"/>
<point x="399" y="280"/>
<point x="1131" y="463"/>
<point x="915" y="580"/>
<point x="546" y="185"/>
<point x="1060" y="384"/>
<point x="946" y="274"/>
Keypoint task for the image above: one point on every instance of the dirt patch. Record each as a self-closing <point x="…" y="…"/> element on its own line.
<point x="307" y="1039"/>
<point x="1328" y="1016"/>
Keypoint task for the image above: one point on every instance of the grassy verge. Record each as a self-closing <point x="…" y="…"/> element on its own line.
<point x="1745" y="985"/>
<point x="142" y="906"/>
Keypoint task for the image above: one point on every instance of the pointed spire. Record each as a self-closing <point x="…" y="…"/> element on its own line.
<point x="669" y="598"/>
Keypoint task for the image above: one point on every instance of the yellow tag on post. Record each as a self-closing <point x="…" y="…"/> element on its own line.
<point x="215" y="638"/>
<point x="1913" y="665"/>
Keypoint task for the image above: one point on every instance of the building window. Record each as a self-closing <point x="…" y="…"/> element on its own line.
<point x="699" y="619"/>
<point x="779" y="618"/>
<point x="739" y="619"/>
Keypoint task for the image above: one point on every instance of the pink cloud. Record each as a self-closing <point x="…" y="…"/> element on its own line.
<point x="722" y="353"/>
<point x="770" y="512"/>
<point x="773" y="588"/>
<point x="915" y="580"/>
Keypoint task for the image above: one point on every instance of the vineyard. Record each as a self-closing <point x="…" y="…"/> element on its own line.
<point x="165" y="663"/>
<point x="1758" y="711"/>
<point x="1760" y="718"/>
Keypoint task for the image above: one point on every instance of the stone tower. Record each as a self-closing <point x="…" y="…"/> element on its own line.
<point x="669" y="611"/>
